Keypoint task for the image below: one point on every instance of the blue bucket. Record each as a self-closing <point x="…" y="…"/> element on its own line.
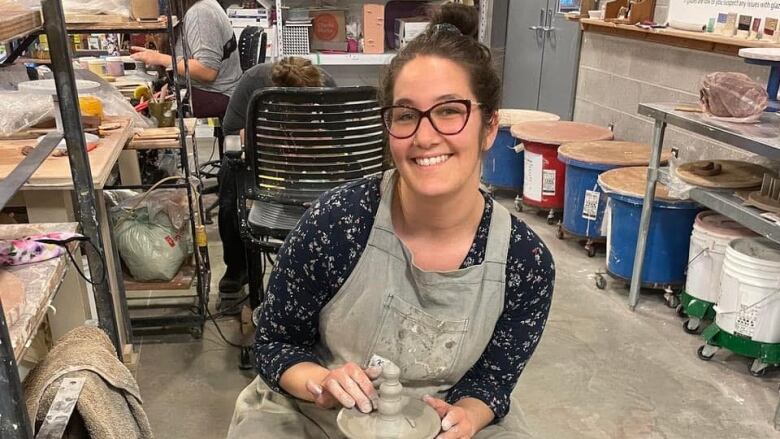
<point x="668" y="241"/>
<point x="584" y="200"/>
<point x="502" y="167"/>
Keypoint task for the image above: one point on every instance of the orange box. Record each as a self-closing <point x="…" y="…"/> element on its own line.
<point x="373" y="28"/>
<point x="328" y="29"/>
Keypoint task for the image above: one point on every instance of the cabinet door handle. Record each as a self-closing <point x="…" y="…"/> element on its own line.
<point x="541" y="22"/>
<point x="548" y="22"/>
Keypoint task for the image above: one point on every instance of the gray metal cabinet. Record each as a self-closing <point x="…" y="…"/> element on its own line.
<point x="541" y="57"/>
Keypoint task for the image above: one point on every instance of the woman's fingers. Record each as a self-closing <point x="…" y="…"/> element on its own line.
<point x="440" y="406"/>
<point x="367" y="388"/>
<point x="336" y="390"/>
<point x="137" y="49"/>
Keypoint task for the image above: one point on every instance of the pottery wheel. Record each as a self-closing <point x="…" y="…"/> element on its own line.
<point x="417" y="421"/>
<point x="732" y="175"/>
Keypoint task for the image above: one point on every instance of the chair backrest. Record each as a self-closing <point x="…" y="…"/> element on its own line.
<point x="300" y="142"/>
<point x="249" y="47"/>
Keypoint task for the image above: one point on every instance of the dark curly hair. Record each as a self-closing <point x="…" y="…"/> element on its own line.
<point x="452" y="35"/>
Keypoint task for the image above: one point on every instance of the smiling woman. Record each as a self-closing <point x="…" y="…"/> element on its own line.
<point x="417" y="267"/>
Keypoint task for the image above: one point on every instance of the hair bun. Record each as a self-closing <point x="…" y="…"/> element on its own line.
<point x="464" y="18"/>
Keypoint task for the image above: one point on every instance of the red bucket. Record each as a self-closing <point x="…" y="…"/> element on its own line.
<point x="545" y="175"/>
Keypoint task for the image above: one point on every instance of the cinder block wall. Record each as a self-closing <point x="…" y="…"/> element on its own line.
<point x="616" y="74"/>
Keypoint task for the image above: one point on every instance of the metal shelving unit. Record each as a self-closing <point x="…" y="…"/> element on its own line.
<point x="762" y="138"/>
<point x="14" y="422"/>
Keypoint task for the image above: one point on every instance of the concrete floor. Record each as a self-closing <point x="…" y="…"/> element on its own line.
<point x="601" y="371"/>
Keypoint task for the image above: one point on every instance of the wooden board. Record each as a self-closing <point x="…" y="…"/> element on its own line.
<point x="161" y="138"/>
<point x="95" y="18"/>
<point x="17" y="21"/>
<point x="734" y="175"/>
<point x="609" y="152"/>
<point x="127" y="26"/>
<point x="182" y="281"/>
<point x="54" y="172"/>
<point x="42" y="281"/>
<point x="560" y="132"/>
<point x="631" y="181"/>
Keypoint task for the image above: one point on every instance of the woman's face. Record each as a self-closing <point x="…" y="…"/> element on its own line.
<point x="432" y="164"/>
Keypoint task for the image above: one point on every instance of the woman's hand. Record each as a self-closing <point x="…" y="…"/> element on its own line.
<point x="455" y="421"/>
<point x="150" y="57"/>
<point x="348" y="386"/>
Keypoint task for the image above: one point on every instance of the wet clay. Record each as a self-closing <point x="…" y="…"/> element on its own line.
<point x="398" y="416"/>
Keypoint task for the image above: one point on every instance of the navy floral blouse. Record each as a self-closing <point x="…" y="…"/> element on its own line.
<point x="324" y="248"/>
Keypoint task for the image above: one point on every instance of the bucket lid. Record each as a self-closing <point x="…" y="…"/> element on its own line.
<point x="759" y="248"/>
<point x="715" y="223"/>
<point x="508" y="117"/>
<point x="609" y="152"/>
<point x="560" y="132"/>
<point x="631" y="182"/>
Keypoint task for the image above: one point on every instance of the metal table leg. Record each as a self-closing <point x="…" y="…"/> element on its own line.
<point x="647" y="211"/>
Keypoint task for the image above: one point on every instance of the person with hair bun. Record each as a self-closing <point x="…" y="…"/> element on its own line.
<point x="417" y="266"/>
<point x="287" y="72"/>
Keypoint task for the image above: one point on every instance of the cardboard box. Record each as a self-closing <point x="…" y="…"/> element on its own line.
<point x="329" y="29"/>
<point x="408" y="28"/>
<point x="373" y="28"/>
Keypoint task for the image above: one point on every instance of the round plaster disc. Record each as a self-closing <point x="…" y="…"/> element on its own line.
<point x="733" y="174"/>
<point x="416" y="421"/>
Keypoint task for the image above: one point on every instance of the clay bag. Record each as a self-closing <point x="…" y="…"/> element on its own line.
<point x="732" y="95"/>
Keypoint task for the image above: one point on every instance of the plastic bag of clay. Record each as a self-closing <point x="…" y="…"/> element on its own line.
<point x="93" y="7"/>
<point x="114" y="104"/>
<point x="732" y="97"/>
<point x="152" y="233"/>
<point x="19" y="111"/>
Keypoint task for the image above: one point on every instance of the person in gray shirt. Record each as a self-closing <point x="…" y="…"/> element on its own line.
<point x="287" y="72"/>
<point x="215" y="68"/>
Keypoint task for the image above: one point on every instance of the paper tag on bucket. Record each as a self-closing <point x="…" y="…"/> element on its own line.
<point x="548" y="182"/>
<point x="590" y="207"/>
<point x="746" y="320"/>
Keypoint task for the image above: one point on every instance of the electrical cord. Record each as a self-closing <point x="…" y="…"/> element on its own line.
<point x="219" y="330"/>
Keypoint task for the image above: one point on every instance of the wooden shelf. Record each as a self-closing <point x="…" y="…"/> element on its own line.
<point x="121" y="27"/>
<point x="182" y="281"/>
<point x="42" y="281"/>
<point x="136" y="143"/>
<point x="702" y="41"/>
<point x="349" y="59"/>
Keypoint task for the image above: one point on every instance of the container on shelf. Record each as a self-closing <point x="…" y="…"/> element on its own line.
<point x="668" y="239"/>
<point x="712" y="233"/>
<point x="97" y="66"/>
<point x="502" y="166"/>
<point x="544" y="175"/>
<point x="584" y="201"/>
<point x="115" y="66"/>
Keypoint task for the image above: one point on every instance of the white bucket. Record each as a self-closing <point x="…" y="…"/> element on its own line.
<point x="712" y="233"/>
<point x="749" y="303"/>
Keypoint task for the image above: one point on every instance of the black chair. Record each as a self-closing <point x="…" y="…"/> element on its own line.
<point x="299" y="143"/>
<point x="251" y="51"/>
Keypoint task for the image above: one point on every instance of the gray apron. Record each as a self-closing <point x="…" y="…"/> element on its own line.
<point x="434" y="326"/>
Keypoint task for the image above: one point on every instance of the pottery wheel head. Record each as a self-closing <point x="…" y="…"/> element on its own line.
<point x="417" y="420"/>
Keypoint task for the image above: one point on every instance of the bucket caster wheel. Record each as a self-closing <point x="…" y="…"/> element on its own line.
<point x="672" y="300"/>
<point x="601" y="281"/>
<point x="691" y="325"/>
<point x="245" y="358"/>
<point x="518" y="204"/>
<point x="706" y="352"/>
<point x="196" y="332"/>
<point x="680" y="311"/>
<point x="590" y="250"/>
<point x="559" y="234"/>
<point x="758" y="368"/>
<point x="551" y="218"/>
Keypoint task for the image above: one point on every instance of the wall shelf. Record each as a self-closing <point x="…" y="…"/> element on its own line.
<point x="705" y="42"/>
<point x="350" y="59"/>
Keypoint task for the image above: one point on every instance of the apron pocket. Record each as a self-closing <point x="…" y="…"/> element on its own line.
<point x="423" y="346"/>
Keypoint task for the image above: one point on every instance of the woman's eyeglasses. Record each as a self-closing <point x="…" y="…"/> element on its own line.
<point x="448" y="118"/>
